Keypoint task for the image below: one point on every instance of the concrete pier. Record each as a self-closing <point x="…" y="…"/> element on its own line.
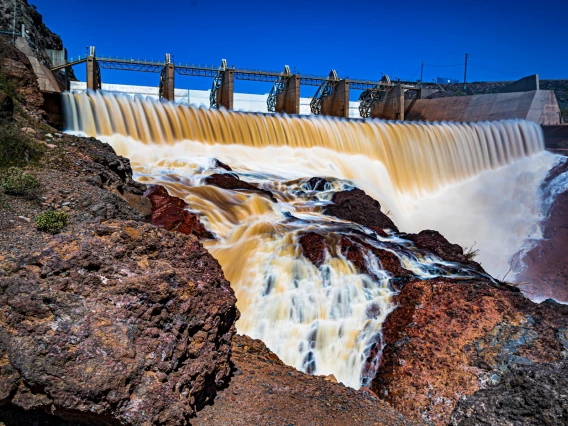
<point x="93" y="71"/>
<point x="167" y="86"/>
<point x="337" y="104"/>
<point x="289" y="100"/>
<point x="392" y="106"/>
<point x="226" y="92"/>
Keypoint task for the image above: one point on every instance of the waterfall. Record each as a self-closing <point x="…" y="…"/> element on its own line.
<point x="473" y="182"/>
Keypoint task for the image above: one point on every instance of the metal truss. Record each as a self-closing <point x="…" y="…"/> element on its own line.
<point x="325" y="89"/>
<point x="278" y="88"/>
<point x="368" y="98"/>
<point x="212" y="72"/>
<point x="217" y="83"/>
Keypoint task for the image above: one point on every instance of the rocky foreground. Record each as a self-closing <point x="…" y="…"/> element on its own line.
<point x="123" y="317"/>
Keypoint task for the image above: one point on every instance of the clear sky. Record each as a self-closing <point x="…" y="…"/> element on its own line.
<point x="360" y="39"/>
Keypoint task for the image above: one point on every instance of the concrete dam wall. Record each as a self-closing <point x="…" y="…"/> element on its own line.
<point x="245" y="102"/>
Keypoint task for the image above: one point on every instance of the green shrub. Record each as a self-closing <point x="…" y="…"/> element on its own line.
<point x="51" y="221"/>
<point x="16" y="182"/>
<point x="17" y="148"/>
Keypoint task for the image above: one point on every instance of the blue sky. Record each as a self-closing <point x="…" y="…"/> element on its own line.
<point x="360" y="39"/>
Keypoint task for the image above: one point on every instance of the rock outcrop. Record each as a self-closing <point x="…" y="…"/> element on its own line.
<point x="264" y="391"/>
<point x="232" y="182"/>
<point x="172" y="214"/>
<point x="448" y="339"/>
<point x="358" y="207"/>
<point x="545" y="266"/>
<point x="138" y="334"/>
<point x="434" y="242"/>
<point x="18" y="73"/>
<point x="530" y="395"/>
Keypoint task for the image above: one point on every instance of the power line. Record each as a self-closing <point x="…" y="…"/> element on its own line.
<point x="444" y="66"/>
<point x="499" y="71"/>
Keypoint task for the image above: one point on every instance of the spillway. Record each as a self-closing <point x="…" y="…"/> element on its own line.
<point x="476" y="183"/>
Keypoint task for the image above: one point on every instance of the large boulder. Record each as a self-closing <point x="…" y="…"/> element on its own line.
<point x="358" y="207"/>
<point x="116" y="323"/>
<point x="449" y="339"/>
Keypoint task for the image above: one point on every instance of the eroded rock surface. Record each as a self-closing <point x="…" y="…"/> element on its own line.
<point x="358" y="207"/>
<point x="264" y="391"/>
<point x="449" y="339"/>
<point x="171" y="213"/>
<point x="528" y="395"/>
<point x="119" y="322"/>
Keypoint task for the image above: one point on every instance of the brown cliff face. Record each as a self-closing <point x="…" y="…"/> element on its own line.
<point x="17" y="71"/>
<point x="545" y="273"/>
<point x="448" y="339"/>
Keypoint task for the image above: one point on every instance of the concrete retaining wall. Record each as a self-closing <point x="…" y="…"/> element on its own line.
<point x="539" y="106"/>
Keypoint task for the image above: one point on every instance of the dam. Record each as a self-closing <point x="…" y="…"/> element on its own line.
<point x="326" y="318"/>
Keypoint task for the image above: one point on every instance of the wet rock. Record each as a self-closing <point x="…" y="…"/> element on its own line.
<point x="127" y="323"/>
<point x="313" y="247"/>
<point x="545" y="269"/>
<point x="316" y="184"/>
<point x="222" y="165"/>
<point x="232" y="182"/>
<point x="170" y="212"/>
<point x="448" y="339"/>
<point x="435" y="242"/>
<point x="357" y="252"/>
<point x="527" y="395"/>
<point x="358" y="207"/>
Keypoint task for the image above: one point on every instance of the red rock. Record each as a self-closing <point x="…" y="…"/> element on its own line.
<point x="435" y="242"/>
<point x="232" y="182"/>
<point x="358" y="207"/>
<point x="170" y="212"/>
<point x="447" y="339"/>
<point x="313" y="247"/>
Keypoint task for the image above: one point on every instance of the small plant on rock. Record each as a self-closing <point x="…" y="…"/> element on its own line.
<point x="16" y="182"/>
<point x="51" y="221"/>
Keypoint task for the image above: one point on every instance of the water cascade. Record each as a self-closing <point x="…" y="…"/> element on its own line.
<point x="460" y="179"/>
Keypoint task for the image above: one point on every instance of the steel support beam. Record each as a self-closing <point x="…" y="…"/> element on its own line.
<point x="337" y="103"/>
<point x="288" y="101"/>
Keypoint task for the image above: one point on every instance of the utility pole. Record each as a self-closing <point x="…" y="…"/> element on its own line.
<point x="465" y="71"/>
<point x="421" y="72"/>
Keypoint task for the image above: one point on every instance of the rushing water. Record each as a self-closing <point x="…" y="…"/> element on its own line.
<point x="475" y="183"/>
